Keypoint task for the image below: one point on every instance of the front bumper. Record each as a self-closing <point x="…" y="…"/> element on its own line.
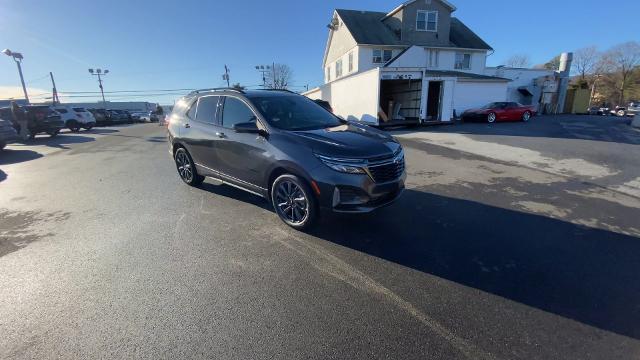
<point x="355" y="193"/>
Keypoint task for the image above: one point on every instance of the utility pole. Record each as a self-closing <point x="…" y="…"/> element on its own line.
<point x="593" y="89"/>
<point x="273" y="67"/>
<point x="17" y="57"/>
<point x="263" y="70"/>
<point x="56" y="99"/>
<point x="99" y="73"/>
<point x="226" y="75"/>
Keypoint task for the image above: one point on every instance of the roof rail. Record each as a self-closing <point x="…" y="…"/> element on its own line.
<point x="216" y="89"/>
<point x="287" y="90"/>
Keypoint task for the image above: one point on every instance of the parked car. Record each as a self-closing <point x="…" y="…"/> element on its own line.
<point x="286" y="148"/>
<point x="630" y="110"/>
<point x="7" y="133"/>
<point x="118" y="116"/>
<point x="598" y="110"/>
<point x="88" y="121"/>
<point x="500" y="111"/>
<point x="103" y="117"/>
<point x="325" y="104"/>
<point x="75" y="118"/>
<point x="40" y="119"/>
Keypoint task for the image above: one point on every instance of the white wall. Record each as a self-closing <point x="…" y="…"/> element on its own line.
<point x="447" y="61"/>
<point x="345" y="65"/>
<point x="521" y="77"/>
<point x="473" y="94"/>
<point x="354" y="97"/>
<point x="365" y="55"/>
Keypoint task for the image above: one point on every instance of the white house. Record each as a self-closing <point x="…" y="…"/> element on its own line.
<point x="415" y="64"/>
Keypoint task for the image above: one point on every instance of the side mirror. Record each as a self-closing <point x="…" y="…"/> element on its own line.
<point x="249" y="127"/>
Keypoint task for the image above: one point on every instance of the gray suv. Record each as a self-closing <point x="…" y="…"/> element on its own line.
<point x="286" y="148"/>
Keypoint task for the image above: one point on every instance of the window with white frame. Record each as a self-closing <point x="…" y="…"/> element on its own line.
<point x="387" y="55"/>
<point x="328" y="73"/>
<point x="350" y="61"/>
<point x="434" y="58"/>
<point x="381" y="56"/>
<point x="377" y="56"/>
<point x="338" y="68"/>
<point x="427" y="20"/>
<point x="463" y="61"/>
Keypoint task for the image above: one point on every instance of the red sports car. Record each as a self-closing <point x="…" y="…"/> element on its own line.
<point x="500" y="111"/>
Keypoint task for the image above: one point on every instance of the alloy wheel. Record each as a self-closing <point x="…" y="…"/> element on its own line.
<point x="491" y="117"/>
<point x="526" y="116"/>
<point x="183" y="163"/>
<point x="291" y="202"/>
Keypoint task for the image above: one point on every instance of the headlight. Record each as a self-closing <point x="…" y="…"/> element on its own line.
<point x="349" y="166"/>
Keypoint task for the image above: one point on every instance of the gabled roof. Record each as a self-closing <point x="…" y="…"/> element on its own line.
<point x="461" y="36"/>
<point x="406" y="3"/>
<point x="367" y="28"/>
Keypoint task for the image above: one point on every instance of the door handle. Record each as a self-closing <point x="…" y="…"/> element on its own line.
<point x="187" y="125"/>
<point x="220" y="135"/>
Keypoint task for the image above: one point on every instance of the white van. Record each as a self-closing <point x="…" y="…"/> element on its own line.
<point x="76" y="117"/>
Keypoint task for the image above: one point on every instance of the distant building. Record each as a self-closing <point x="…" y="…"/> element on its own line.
<point x="7" y="102"/>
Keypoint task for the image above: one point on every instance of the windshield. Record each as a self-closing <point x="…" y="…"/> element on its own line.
<point x="492" y="105"/>
<point x="294" y="112"/>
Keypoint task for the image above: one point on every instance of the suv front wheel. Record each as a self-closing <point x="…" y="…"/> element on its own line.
<point x="294" y="202"/>
<point x="186" y="168"/>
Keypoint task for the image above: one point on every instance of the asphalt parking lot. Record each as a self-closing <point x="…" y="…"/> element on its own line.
<point x="512" y="240"/>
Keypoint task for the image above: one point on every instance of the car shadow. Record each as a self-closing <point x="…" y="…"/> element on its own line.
<point x="3" y="175"/>
<point x="236" y="194"/>
<point x="583" y="127"/>
<point x="11" y="156"/>
<point x="585" y="274"/>
<point x="61" y="141"/>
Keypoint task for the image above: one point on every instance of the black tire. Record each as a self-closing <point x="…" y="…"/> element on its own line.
<point x="186" y="168"/>
<point x="53" y="133"/>
<point x="526" y="116"/>
<point x="491" y="117"/>
<point x="304" y="213"/>
<point x="75" y="128"/>
<point x="2" y="145"/>
<point x="32" y="135"/>
<point x="88" y="127"/>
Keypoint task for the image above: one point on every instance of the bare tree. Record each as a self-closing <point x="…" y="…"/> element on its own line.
<point x="280" y="77"/>
<point x="621" y="61"/>
<point x="585" y="61"/>
<point x="519" y="61"/>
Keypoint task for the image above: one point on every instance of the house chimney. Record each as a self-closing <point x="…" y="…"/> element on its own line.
<point x="563" y="79"/>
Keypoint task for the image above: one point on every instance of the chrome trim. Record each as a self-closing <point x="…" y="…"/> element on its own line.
<point x="236" y="186"/>
<point x="229" y="176"/>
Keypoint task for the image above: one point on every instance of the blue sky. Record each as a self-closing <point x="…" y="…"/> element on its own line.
<point x="150" y="45"/>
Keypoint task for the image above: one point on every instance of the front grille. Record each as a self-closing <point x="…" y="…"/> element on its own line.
<point x="388" y="171"/>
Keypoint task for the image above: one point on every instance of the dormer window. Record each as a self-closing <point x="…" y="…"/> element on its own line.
<point x="427" y="20"/>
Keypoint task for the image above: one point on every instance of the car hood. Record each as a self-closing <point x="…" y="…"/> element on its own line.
<point x="348" y="141"/>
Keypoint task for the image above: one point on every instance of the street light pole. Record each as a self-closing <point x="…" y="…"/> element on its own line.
<point x="99" y="73"/>
<point x="17" y="57"/>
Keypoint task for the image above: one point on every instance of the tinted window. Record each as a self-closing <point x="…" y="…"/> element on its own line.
<point x="294" y="112"/>
<point x="191" y="114"/>
<point x="62" y="111"/>
<point x="235" y="111"/>
<point x="207" y="107"/>
<point x="79" y="109"/>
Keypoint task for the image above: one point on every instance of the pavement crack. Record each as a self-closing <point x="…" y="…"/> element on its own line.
<point x="339" y="269"/>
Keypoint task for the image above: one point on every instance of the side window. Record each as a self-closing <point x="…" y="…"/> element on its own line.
<point x="235" y="111"/>
<point x="191" y="114"/>
<point x="207" y="107"/>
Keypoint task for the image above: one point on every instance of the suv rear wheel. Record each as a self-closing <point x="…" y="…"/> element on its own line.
<point x="294" y="202"/>
<point x="186" y="168"/>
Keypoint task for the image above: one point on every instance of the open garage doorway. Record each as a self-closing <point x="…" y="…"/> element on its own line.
<point x="434" y="101"/>
<point x="400" y="102"/>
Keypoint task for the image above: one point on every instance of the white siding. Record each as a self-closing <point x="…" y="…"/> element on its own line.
<point x="353" y="97"/>
<point x="473" y="94"/>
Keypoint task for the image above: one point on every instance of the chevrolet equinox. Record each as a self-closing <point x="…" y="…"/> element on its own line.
<point x="286" y="148"/>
